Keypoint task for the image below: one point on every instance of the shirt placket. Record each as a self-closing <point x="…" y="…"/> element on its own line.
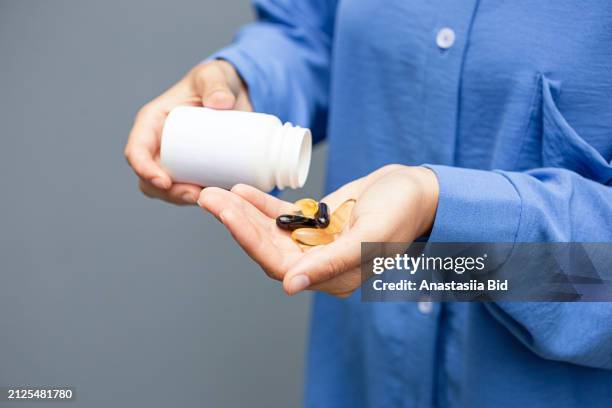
<point x="446" y="53"/>
<point x="449" y="41"/>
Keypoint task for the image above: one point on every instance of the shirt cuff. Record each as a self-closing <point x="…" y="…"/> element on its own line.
<point x="475" y="206"/>
<point x="249" y="72"/>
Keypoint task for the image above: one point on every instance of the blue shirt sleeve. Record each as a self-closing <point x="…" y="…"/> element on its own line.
<point x="540" y="205"/>
<point x="285" y="56"/>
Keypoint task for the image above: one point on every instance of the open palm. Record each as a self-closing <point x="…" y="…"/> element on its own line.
<point x="250" y="216"/>
<point x="395" y="203"/>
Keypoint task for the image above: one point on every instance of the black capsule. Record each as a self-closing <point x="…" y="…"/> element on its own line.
<point x="322" y="216"/>
<point x="292" y="222"/>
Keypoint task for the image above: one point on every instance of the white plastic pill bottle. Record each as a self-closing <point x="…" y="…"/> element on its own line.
<point x="222" y="148"/>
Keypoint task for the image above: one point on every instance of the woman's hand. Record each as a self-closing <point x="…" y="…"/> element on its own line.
<point x="216" y="85"/>
<point x="394" y="204"/>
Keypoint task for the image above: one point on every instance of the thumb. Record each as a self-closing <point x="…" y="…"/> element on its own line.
<point x="215" y="89"/>
<point x="328" y="261"/>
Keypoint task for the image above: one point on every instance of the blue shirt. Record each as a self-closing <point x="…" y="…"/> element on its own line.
<point x="514" y="114"/>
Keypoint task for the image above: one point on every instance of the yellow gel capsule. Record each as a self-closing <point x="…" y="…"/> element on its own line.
<point x="307" y="206"/>
<point x="311" y="236"/>
<point x="340" y="217"/>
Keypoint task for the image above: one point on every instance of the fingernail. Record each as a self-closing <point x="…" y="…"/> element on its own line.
<point x="188" y="198"/>
<point x="298" y="283"/>
<point x="160" y="183"/>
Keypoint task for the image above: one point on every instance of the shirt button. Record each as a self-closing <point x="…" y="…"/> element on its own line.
<point x="445" y="38"/>
<point x="425" y="307"/>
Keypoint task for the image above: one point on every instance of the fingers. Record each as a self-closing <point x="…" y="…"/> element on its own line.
<point x="251" y="238"/>
<point x="143" y="146"/>
<point x="216" y="85"/>
<point x="248" y="227"/>
<point x="342" y="285"/>
<point x="266" y="203"/>
<point x="212" y="83"/>
<point x="147" y="168"/>
<point x="330" y="261"/>
<point x="215" y="200"/>
<point x="179" y="194"/>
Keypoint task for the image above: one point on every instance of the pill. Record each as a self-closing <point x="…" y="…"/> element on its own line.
<point x="307" y="206"/>
<point x="312" y="236"/>
<point x="340" y="217"/>
<point x="291" y="222"/>
<point x="322" y="216"/>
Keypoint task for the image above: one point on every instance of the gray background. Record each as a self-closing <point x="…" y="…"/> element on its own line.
<point x="132" y="301"/>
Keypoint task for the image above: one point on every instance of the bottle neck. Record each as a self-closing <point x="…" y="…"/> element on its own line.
<point x="293" y="156"/>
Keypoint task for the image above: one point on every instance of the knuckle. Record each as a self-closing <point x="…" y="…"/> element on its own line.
<point x="131" y="159"/>
<point x="203" y="68"/>
<point x="334" y="267"/>
<point x="206" y="71"/>
<point x="201" y="71"/>
<point x="392" y="167"/>
<point x="144" y="111"/>
<point x="239" y="188"/>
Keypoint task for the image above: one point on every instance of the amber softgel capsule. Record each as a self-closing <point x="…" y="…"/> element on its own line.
<point x="340" y="217"/>
<point x="307" y="206"/>
<point x="312" y="236"/>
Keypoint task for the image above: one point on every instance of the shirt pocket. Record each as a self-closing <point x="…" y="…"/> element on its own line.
<point x="562" y="146"/>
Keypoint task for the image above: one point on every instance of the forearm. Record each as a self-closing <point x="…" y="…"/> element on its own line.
<point x="541" y="205"/>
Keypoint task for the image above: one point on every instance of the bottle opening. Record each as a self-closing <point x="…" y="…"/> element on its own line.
<point x="304" y="158"/>
<point x="294" y="157"/>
